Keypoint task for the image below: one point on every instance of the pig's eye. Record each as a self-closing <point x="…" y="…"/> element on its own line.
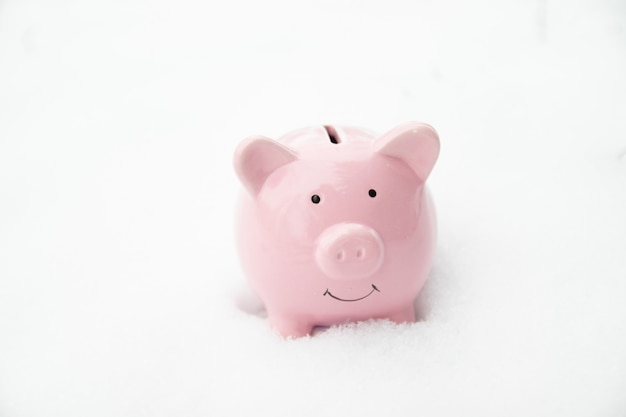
<point x="372" y="193"/>
<point x="315" y="199"/>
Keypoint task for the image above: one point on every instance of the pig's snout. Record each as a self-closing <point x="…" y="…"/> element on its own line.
<point x="349" y="251"/>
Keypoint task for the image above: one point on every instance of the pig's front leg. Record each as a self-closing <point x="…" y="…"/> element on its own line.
<point x="405" y="315"/>
<point x="289" y="326"/>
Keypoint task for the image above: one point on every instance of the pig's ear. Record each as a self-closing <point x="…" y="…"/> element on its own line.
<point x="256" y="158"/>
<point x="417" y="144"/>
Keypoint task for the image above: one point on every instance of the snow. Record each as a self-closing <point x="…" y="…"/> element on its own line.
<point x="120" y="293"/>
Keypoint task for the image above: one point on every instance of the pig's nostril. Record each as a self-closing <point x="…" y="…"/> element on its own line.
<point x="340" y="255"/>
<point x="359" y="253"/>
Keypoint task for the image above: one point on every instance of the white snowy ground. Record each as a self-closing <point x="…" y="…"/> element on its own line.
<point x="120" y="293"/>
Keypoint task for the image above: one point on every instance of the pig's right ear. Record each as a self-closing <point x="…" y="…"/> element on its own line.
<point x="417" y="144"/>
<point x="256" y="158"/>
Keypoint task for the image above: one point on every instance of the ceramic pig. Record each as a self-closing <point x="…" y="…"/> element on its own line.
<point x="336" y="224"/>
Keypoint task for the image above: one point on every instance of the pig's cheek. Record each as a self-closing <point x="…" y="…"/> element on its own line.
<point x="289" y="223"/>
<point x="397" y="217"/>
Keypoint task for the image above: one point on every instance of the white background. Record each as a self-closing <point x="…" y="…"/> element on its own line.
<point x="120" y="293"/>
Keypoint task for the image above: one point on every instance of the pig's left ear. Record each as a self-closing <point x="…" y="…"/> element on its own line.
<point x="417" y="144"/>
<point x="256" y="158"/>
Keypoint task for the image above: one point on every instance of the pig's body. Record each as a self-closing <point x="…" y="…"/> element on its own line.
<point x="330" y="233"/>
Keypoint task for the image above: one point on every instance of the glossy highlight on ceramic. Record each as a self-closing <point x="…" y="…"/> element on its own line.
<point x="336" y="224"/>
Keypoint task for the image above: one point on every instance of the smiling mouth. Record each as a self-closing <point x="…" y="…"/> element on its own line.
<point x="354" y="299"/>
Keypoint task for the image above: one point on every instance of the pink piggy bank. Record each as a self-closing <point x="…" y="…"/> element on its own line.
<point x="336" y="224"/>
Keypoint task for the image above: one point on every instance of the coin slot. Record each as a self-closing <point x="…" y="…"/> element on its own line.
<point x="332" y="135"/>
